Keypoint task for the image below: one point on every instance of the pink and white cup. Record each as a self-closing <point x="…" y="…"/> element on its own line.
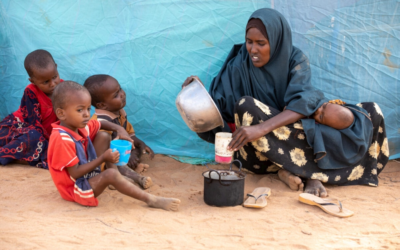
<point x="222" y="154"/>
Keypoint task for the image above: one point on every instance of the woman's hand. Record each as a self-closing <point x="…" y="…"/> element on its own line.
<point x="244" y="135"/>
<point x="189" y="80"/>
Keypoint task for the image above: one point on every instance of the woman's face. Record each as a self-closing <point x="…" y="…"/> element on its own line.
<point x="258" y="47"/>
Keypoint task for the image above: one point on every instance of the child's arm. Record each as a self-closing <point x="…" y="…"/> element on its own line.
<point x="121" y="132"/>
<point x="80" y="170"/>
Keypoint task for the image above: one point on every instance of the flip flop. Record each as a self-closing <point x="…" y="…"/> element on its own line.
<point x="326" y="204"/>
<point x="257" y="199"/>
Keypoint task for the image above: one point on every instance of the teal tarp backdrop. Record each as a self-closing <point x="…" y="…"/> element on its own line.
<point x="150" y="47"/>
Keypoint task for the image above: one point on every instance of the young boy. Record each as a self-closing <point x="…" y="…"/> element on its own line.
<point x="72" y="159"/>
<point x="109" y="100"/>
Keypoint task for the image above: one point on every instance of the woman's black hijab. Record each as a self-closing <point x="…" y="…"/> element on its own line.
<point x="284" y="81"/>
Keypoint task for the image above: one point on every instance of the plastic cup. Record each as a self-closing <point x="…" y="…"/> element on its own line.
<point x="222" y="154"/>
<point x="124" y="148"/>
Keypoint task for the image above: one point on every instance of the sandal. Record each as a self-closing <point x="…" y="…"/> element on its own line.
<point x="257" y="199"/>
<point x="326" y="204"/>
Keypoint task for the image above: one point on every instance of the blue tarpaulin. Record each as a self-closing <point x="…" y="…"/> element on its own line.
<point x="150" y="47"/>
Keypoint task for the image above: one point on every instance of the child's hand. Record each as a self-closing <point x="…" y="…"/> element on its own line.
<point x="110" y="156"/>
<point x="123" y="135"/>
<point x="133" y="161"/>
<point x="147" y="150"/>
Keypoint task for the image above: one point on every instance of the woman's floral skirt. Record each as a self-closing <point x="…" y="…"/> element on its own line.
<point x="287" y="148"/>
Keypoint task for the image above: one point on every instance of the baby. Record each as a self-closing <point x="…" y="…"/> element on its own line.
<point x="334" y="115"/>
<point x="74" y="141"/>
<point x="109" y="99"/>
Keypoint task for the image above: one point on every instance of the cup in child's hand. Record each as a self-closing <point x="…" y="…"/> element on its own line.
<point x="222" y="154"/>
<point x="124" y="148"/>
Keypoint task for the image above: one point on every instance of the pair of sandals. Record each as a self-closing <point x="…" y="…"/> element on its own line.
<point x="258" y="199"/>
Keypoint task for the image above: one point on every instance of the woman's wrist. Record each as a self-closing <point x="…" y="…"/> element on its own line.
<point x="265" y="127"/>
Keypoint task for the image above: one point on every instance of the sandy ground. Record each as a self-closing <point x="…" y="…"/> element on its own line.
<point x="34" y="216"/>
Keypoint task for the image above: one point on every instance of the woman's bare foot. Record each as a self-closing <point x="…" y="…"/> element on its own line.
<point x="141" y="167"/>
<point x="169" y="204"/>
<point x="145" y="182"/>
<point x="316" y="188"/>
<point x="293" y="181"/>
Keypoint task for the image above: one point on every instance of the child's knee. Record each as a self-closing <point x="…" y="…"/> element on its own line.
<point x="110" y="174"/>
<point x="103" y="137"/>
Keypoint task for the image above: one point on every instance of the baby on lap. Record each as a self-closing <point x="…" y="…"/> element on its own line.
<point x="334" y="114"/>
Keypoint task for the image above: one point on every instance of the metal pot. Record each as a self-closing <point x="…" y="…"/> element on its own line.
<point x="197" y="108"/>
<point x="224" y="187"/>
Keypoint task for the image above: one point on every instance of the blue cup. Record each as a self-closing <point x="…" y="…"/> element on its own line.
<point x="124" y="148"/>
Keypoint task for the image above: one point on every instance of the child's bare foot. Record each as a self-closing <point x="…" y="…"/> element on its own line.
<point x="316" y="188"/>
<point x="132" y="175"/>
<point x="169" y="204"/>
<point x="141" y="167"/>
<point x="293" y="181"/>
<point x="145" y="182"/>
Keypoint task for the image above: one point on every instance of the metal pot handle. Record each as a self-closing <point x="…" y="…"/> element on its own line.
<point x="220" y="181"/>
<point x="240" y="168"/>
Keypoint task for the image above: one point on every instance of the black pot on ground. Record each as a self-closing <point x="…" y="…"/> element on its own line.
<point x="224" y="187"/>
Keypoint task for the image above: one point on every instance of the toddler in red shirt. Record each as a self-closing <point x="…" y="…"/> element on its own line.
<point x="72" y="159"/>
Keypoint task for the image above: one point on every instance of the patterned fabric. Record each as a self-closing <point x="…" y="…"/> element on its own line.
<point x="286" y="147"/>
<point x="24" y="134"/>
<point x="337" y="101"/>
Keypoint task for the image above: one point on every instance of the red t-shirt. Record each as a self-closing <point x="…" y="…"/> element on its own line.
<point x="62" y="154"/>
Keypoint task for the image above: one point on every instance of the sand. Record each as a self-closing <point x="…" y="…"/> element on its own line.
<point x="34" y="216"/>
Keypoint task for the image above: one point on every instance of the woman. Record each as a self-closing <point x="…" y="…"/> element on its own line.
<point x="264" y="88"/>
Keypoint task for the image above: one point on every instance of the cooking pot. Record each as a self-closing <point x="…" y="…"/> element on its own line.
<point x="224" y="187"/>
<point x="197" y="108"/>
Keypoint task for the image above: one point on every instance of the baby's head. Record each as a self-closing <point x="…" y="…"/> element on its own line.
<point x="72" y="103"/>
<point x="42" y="70"/>
<point x="106" y="93"/>
<point x="334" y="115"/>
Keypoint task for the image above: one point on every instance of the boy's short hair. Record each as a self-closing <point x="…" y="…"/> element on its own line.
<point x="64" y="90"/>
<point x="39" y="59"/>
<point x="92" y="84"/>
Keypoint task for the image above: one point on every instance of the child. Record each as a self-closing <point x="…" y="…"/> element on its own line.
<point x="334" y="114"/>
<point x="24" y="134"/>
<point x="73" y="164"/>
<point x="109" y="100"/>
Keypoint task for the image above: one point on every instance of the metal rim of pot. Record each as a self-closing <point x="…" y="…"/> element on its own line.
<point x="241" y="175"/>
